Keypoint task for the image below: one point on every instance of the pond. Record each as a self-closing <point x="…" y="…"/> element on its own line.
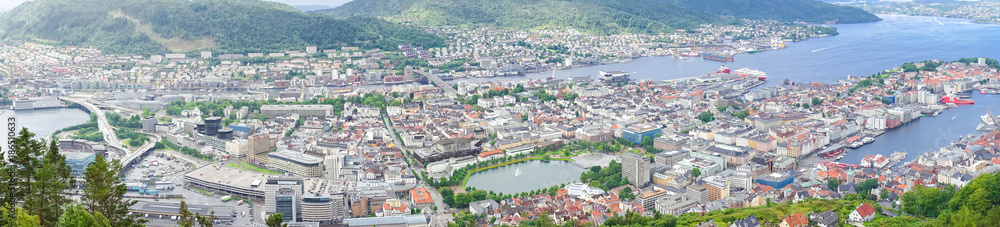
<point x="525" y="176"/>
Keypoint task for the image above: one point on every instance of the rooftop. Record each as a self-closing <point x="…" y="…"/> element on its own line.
<point x="295" y="156"/>
<point x="227" y="176"/>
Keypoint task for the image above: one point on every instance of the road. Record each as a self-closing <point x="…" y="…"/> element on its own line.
<point x="109" y="134"/>
<point x="439" y="217"/>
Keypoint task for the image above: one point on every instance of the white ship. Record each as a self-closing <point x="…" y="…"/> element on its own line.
<point x="751" y="73"/>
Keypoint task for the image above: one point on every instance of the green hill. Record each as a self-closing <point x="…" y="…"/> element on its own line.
<point x="161" y="26"/>
<point x="594" y="16"/>
<point x="783" y="10"/>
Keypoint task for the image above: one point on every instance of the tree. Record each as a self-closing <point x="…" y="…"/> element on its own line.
<point x="626" y="194"/>
<point x="646" y="141"/>
<point x="706" y="117"/>
<point x="816" y="101"/>
<point x="866" y="186"/>
<point x="17" y="217"/>
<point x="185" y="219"/>
<point x="45" y="198"/>
<point x="104" y="193"/>
<point x="695" y="172"/>
<point x="76" y="215"/>
<point x="833" y="183"/>
<point x="275" y="220"/>
<point x="205" y="221"/>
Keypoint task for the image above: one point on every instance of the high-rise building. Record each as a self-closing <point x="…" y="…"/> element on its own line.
<point x="635" y="168"/>
<point x="284" y="195"/>
<point x="149" y="124"/>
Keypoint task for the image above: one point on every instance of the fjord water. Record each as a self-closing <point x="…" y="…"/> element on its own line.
<point x="43" y="122"/>
<point x="929" y="133"/>
<point x="860" y="49"/>
<point x="533" y="175"/>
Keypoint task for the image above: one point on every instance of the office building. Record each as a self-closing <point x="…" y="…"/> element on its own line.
<point x="297" y="163"/>
<point x="78" y="161"/>
<point x="317" y="208"/>
<point x="284" y="195"/>
<point x="637" y="132"/>
<point x="149" y="124"/>
<point x="698" y="193"/>
<point x="635" y="168"/>
<point x="671" y="157"/>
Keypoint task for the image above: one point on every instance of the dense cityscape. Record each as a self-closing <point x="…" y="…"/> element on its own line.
<point x="475" y="133"/>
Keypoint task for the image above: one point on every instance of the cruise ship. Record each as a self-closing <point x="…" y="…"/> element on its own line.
<point x="751" y="73"/>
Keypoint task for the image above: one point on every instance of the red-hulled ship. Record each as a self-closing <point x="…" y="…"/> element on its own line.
<point x="715" y="57"/>
<point x="951" y="99"/>
<point x="723" y="69"/>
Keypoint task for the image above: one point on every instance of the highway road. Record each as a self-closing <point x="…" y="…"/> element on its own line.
<point x="109" y="134"/>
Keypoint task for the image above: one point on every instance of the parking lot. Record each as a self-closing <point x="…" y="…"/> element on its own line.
<point x="173" y="170"/>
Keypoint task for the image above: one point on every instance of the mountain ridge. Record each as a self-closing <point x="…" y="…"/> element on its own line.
<point x="595" y="16"/>
<point x="643" y="16"/>
<point x="809" y="11"/>
<point x="175" y="26"/>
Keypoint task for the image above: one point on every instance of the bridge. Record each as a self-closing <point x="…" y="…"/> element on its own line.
<point x="448" y="90"/>
<point x="111" y="138"/>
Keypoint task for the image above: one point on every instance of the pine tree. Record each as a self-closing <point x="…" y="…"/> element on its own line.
<point x="24" y="162"/>
<point x="186" y="218"/>
<point x="205" y="221"/>
<point x="104" y="193"/>
<point x="39" y="174"/>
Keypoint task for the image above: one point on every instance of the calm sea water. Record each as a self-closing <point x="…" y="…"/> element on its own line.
<point x="45" y="121"/>
<point x="860" y="49"/>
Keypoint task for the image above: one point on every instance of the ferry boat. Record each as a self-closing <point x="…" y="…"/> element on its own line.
<point x="751" y="73"/>
<point x="613" y="76"/>
<point x="716" y="57"/>
<point x="955" y="100"/>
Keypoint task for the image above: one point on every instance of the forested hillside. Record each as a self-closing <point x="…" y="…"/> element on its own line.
<point x="594" y="16"/>
<point x="161" y="26"/>
<point x="783" y="10"/>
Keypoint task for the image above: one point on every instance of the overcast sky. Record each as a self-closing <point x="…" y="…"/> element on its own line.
<point x="10" y="4"/>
